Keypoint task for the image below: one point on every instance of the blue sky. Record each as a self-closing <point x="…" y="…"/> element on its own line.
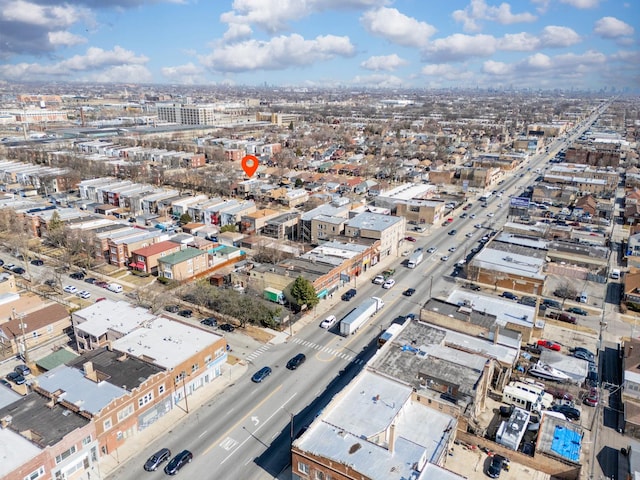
<point x="580" y="44"/>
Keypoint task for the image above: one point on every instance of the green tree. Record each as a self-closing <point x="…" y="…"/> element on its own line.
<point x="304" y="292"/>
<point x="291" y="126"/>
<point x="299" y="182"/>
<point x="228" y="228"/>
<point x="185" y="218"/>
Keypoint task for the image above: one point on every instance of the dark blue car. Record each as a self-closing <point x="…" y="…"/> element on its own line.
<point x="261" y="374"/>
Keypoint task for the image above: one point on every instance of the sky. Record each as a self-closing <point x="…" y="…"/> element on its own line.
<point x="545" y="44"/>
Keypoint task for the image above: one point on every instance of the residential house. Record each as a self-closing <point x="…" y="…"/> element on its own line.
<point x="46" y="440"/>
<point x="254" y="223"/>
<point x="186" y="264"/>
<point x="121" y="247"/>
<point x="631" y="387"/>
<point x="146" y="259"/>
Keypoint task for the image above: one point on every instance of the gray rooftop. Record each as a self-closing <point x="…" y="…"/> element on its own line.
<point x="504" y="310"/>
<point x="77" y="389"/>
<point x="373" y="221"/>
<point x="353" y="430"/>
<point x="325" y="209"/>
<point x="15" y="451"/>
<point x="496" y="257"/>
<point x="120" y="369"/>
<point x="167" y="343"/>
<point x="47" y="424"/>
<point x="120" y="317"/>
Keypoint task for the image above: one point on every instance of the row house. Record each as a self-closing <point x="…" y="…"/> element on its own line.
<point x="254" y="223"/>
<point x="146" y="259"/>
<point x="181" y="206"/>
<point x="120" y="248"/>
<point x="88" y="189"/>
<point x="228" y="212"/>
<point x="197" y="211"/>
<point x="150" y="203"/>
<point x="183" y="265"/>
<point x="46" y="439"/>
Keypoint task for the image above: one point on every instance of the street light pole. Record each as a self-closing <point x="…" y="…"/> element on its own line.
<point x="184" y="389"/>
<point x="25" y="350"/>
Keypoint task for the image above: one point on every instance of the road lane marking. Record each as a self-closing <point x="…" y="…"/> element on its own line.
<point x="247" y="415"/>
<point x="253" y="434"/>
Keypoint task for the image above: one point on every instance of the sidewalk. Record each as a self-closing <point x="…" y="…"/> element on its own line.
<point x="133" y="446"/>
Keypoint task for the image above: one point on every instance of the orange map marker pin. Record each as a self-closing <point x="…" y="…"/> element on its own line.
<point x="250" y="164"/>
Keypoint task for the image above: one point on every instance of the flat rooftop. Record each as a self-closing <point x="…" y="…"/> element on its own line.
<point x="164" y="342"/>
<point x="107" y="315"/>
<point x="362" y="414"/>
<point x="505" y="311"/>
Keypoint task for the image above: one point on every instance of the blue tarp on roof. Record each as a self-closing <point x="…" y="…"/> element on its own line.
<point x="566" y="443"/>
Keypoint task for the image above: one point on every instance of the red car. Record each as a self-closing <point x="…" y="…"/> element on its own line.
<point x="592" y="398"/>
<point x="410" y="239"/>
<point x="549" y="344"/>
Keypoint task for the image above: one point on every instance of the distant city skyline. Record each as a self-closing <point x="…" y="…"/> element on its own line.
<point x="540" y="44"/>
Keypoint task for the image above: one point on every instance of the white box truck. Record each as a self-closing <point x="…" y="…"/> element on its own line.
<point x="357" y="317"/>
<point x="415" y="259"/>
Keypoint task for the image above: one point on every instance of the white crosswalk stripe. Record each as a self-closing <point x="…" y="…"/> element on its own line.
<point x="330" y="351"/>
<point x="256" y="353"/>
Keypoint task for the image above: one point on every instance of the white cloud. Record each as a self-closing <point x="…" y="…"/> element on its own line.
<point x="444" y="71"/>
<point x="497" y="68"/>
<point x="384" y="62"/>
<point x="378" y="80"/>
<point x="582" y="3"/>
<point x="274" y="15"/>
<point x="478" y="10"/>
<point x="519" y="42"/>
<point x="538" y="61"/>
<point x="542" y="5"/>
<point x="555" y="36"/>
<point x="96" y="65"/>
<point x="277" y="53"/>
<point x="65" y="39"/>
<point x="611" y="27"/>
<point x="187" y="74"/>
<point x="460" y="46"/>
<point x="397" y="27"/>
<point x="237" y="31"/>
<point x="57" y="16"/>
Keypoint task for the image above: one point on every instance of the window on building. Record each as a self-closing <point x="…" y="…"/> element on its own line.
<point x="125" y="412"/>
<point x="180" y="376"/>
<point x="86" y="440"/>
<point x="35" y="474"/>
<point x="66" y="454"/>
<point x="160" y="389"/>
<point x="107" y="424"/>
<point x="195" y="367"/>
<point x="207" y="359"/>
<point x="146" y="399"/>
<point x="320" y="475"/>
<point x="303" y="468"/>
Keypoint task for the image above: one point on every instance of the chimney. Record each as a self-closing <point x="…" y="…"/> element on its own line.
<point x="496" y="330"/>
<point x="392" y="437"/>
<point x="88" y="368"/>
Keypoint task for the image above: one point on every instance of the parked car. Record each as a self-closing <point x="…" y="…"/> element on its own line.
<point x="172" y="308"/>
<point x="23" y="370"/>
<point x="154" y="461"/>
<point x="83" y="294"/>
<point x="227" y="327"/>
<point x="209" y="322"/>
<point x="547" y="302"/>
<point x="498" y="462"/>
<point x="528" y="301"/>
<point x="506" y="410"/>
<point x="70" y="289"/>
<point x="296" y="361"/>
<point x="471" y="286"/>
<point x="577" y="311"/>
<point x="583" y="356"/>
<point x="410" y="239"/>
<point x="101" y="284"/>
<point x="177" y="462"/>
<point x="409" y="292"/>
<point x="77" y="275"/>
<point x="349" y="294"/>
<point x="592" y="398"/>
<point x="100" y="299"/>
<point x="328" y="322"/>
<point x="559" y="393"/>
<point x="4" y="383"/>
<point x="37" y="262"/>
<point x="261" y="374"/>
<point x="187" y="313"/>
<point x="1" y="262"/>
<point x="378" y="279"/>
<point x="585" y="351"/>
<point x="571" y="413"/>
<point x="509" y="295"/>
<point x="562" y="317"/>
<point x="550" y="345"/>
<point x="389" y="283"/>
<point x="18" y="270"/>
<point x="16" y="378"/>
<point x="9" y="266"/>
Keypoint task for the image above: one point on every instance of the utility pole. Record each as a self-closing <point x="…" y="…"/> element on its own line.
<point x="25" y="350"/>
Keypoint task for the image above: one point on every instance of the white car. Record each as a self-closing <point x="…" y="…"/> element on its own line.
<point x="406" y="253"/>
<point x="469" y="235"/>
<point x="379" y="280"/>
<point x="490" y="214"/>
<point x="445" y="258"/>
<point x="389" y="283"/>
<point x="83" y="294"/>
<point x="70" y="289"/>
<point x="473" y="215"/>
<point x="431" y="249"/>
<point x="453" y="249"/>
<point x="328" y="322"/>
